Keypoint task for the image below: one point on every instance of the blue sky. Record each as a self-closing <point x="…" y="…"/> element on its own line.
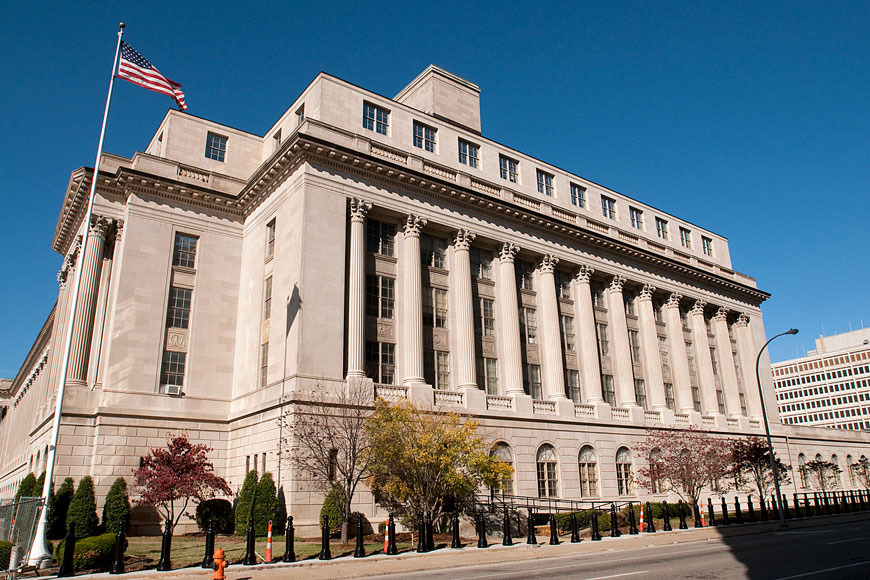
<point x="747" y="119"/>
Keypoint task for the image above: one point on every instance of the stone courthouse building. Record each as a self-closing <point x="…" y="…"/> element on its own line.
<point x="364" y="238"/>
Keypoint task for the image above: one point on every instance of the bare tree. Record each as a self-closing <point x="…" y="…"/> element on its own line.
<point x="861" y="469"/>
<point x="324" y="438"/>
<point x="825" y="475"/>
<point x="751" y="461"/>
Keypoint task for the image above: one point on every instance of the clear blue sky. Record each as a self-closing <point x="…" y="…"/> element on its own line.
<point x="748" y="120"/>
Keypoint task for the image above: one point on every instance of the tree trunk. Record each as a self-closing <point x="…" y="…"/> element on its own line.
<point x="345" y="525"/>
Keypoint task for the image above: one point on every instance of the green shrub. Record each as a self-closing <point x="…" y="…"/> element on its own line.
<point x="281" y="514"/>
<point x="83" y="509"/>
<point x="5" y="554"/>
<point x="219" y="510"/>
<point x="332" y="507"/>
<point x="117" y="506"/>
<point x="58" y="505"/>
<point x="266" y="506"/>
<point x="40" y="483"/>
<point x="92" y="553"/>
<point x="26" y="487"/>
<point x="246" y="499"/>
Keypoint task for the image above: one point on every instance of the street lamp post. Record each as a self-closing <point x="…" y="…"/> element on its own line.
<point x="773" y="469"/>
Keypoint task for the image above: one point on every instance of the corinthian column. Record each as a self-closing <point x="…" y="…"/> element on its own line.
<point x="652" y="358"/>
<point x="747" y="350"/>
<point x="464" y="311"/>
<point x="84" y="320"/>
<point x="677" y="352"/>
<point x="589" y="365"/>
<point x="412" y="294"/>
<point x="726" y="363"/>
<point x="356" y="290"/>
<point x="621" y="357"/>
<point x="709" y="401"/>
<point x="551" y="339"/>
<point x="509" y="320"/>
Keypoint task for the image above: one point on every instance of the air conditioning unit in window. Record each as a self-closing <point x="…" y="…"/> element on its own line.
<point x="173" y="389"/>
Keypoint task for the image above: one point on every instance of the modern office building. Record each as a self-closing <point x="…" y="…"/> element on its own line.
<point x="386" y="242"/>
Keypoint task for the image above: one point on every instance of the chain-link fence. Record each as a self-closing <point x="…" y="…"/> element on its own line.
<point x="17" y="528"/>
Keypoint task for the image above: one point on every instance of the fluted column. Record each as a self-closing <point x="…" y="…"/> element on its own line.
<point x="590" y="368"/>
<point x="464" y="311"/>
<point x="747" y="350"/>
<point x="677" y="352"/>
<point x="621" y="355"/>
<point x="84" y="319"/>
<point x="727" y="372"/>
<point x="412" y="301"/>
<point x="356" y="291"/>
<point x="709" y="401"/>
<point x="652" y="357"/>
<point x="509" y="320"/>
<point x="551" y="338"/>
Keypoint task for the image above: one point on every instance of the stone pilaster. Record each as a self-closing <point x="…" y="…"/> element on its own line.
<point x="412" y="303"/>
<point x="463" y="317"/>
<point x="553" y="376"/>
<point x="623" y="374"/>
<point x="83" y="324"/>
<point x="677" y="352"/>
<point x="510" y="358"/>
<point x="727" y="371"/>
<point x="590" y="368"/>
<point x="747" y="350"/>
<point x="649" y="343"/>
<point x="704" y="370"/>
<point x="356" y="292"/>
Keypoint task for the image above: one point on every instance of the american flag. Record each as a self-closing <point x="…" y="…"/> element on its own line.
<point x="135" y="68"/>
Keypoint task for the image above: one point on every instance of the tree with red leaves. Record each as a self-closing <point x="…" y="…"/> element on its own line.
<point x="178" y="473"/>
<point x="684" y="461"/>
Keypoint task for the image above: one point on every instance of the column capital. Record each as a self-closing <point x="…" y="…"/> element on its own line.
<point x="721" y="314"/>
<point x="508" y="252"/>
<point x="463" y="239"/>
<point x="99" y="226"/>
<point x="548" y="263"/>
<point x="584" y="274"/>
<point x="742" y="320"/>
<point x="70" y="260"/>
<point x="61" y="278"/>
<point x="674" y="300"/>
<point x="617" y="283"/>
<point x="414" y="224"/>
<point x="119" y="229"/>
<point x="359" y="209"/>
<point x="698" y="307"/>
<point x="646" y="292"/>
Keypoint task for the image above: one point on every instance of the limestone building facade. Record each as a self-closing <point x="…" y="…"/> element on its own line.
<point x="362" y="238"/>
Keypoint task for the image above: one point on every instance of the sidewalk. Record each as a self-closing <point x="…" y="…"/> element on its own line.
<point x="379" y="564"/>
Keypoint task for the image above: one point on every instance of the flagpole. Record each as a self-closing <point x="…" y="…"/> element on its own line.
<point x="40" y="552"/>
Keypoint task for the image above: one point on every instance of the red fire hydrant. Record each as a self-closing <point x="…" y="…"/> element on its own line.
<point x="219" y="564"/>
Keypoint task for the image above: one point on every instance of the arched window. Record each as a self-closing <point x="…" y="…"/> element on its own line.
<point x="548" y="483"/>
<point x="850" y="470"/>
<point x="838" y="482"/>
<point x="502" y="452"/>
<point x="623" y="471"/>
<point x="655" y="458"/>
<point x="802" y="469"/>
<point x="588" y="472"/>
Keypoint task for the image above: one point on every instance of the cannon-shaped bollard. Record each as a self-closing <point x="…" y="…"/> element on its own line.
<point x="481" y="532"/>
<point x="844" y="505"/>
<point x="120" y="546"/>
<point x="797" y="506"/>
<point x="67" y="569"/>
<point x="165" y="562"/>
<point x="325" y="553"/>
<point x="632" y="521"/>
<point x="681" y="509"/>
<point x="614" y="525"/>
<point x="711" y="515"/>
<point x="762" y="506"/>
<point x="430" y="533"/>
<point x="208" y="557"/>
<point x="454" y="529"/>
<point x="532" y="539"/>
<point x="726" y="521"/>
<point x="289" y="541"/>
<point x="785" y="510"/>
<point x="506" y="536"/>
<point x="696" y="514"/>
<point x="649" y="524"/>
<point x="575" y="529"/>
<point x="596" y="534"/>
<point x="751" y="509"/>
<point x="421" y="534"/>
<point x="818" y="504"/>
<point x="554" y="534"/>
<point x="360" y="550"/>
<point x="666" y="516"/>
<point x="828" y="510"/>
<point x="250" y="545"/>
<point x="738" y="514"/>
<point x="774" y="508"/>
<point x="808" y="510"/>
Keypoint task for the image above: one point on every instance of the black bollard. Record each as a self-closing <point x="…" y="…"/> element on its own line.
<point x="208" y="558"/>
<point x="797" y="506"/>
<point x="66" y="569"/>
<point x="854" y="501"/>
<point x="360" y="551"/>
<point x="785" y="509"/>
<point x="250" y="545"/>
<point x="481" y="532"/>
<point x="554" y="534"/>
<point x="738" y="515"/>
<point x="120" y="546"/>
<point x="325" y="553"/>
<point x="575" y="529"/>
<point x="632" y="521"/>
<point x="711" y="515"/>
<point x="696" y="514"/>
<point x="290" y="541"/>
<point x="614" y="525"/>
<point x="506" y="536"/>
<point x="681" y="508"/>
<point x="165" y="562"/>
<point x="751" y="509"/>
<point x="532" y="539"/>
<point x="774" y="508"/>
<point x="726" y="521"/>
<point x="421" y="534"/>
<point x="596" y="535"/>
<point x="828" y="510"/>
<point x="649" y="524"/>
<point x="763" y="507"/>
<point x="843" y="502"/>
<point x="808" y="511"/>
<point x="430" y="533"/>
<point x="454" y="528"/>
<point x="818" y="504"/>
<point x="666" y="516"/>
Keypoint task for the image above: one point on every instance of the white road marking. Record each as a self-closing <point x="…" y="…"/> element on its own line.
<point x="618" y="575"/>
<point x="821" y="571"/>
<point x="843" y="541"/>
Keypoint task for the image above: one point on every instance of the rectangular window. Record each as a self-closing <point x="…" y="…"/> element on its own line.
<point x="715" y="360"/>
<point x="184" y="253"/>
<point x="563" y="285"/>
<point x="634" y="346"/>
<point x="178" y="315"/>
<point x="484" y="317"/>
<point x="172" y="372"/>
<point x="636" y="218"/>
<point x="598" y="295"/>
<point x="720" y="399"/>
<point x="435" y="307"/>
<point x="567" y="324"/>
<point x="507" y="168"/>
<point x="487" y="375"/>
<point x="572" y="385"/>
<point x="267" y="298"/>
<point x="669" y="397"/>
<point x="663" y="351"/>
<point x="380" y="296"/>
<point x="264" y="364"/>
<point x="533" y="381"/>
<point x="578" y="195"/>
<point x="276" y="140"/>
<point x="481" y="264"/>
<point x="380" y="362"/>
<point x="433" y="251"/>
<point x="300" y="114"/>
<point x="640" y="392"/>
<point x="525" y="274"/>
<point x="270" y="239"/>
<point x="607" y="391"/>
<point x="603" y="342"/>
<point x="424" y="137"/>
<point x="442" y="369"/>
<point x="215" y="147"/>
<point x="545" y="183"/>
<point x="469" y="154"/>
<point x="529" y="325"/>
<point x="696" y="398"/>
<point x="707" y="246"/>
<point x="686" y="238"/>
<point x="662" y="228"/>
<point x="379" y="237"/>
<point x="375" y="118"/>
<point x="608" y="207"/>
